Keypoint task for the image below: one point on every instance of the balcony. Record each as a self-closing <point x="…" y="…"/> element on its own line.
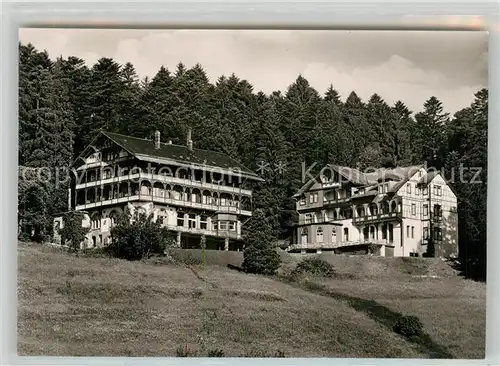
<point x="336" y="201"/>
<point x="334" y="245"/>
<point x="316" y="222"/>
<point x="168" y="201"/>
<point x="366" y="219"/>
<point x="196" y="231"/>
<point x="167" y="180"/>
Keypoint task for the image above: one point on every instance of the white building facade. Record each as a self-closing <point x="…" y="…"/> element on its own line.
<point x="392" y="212"/>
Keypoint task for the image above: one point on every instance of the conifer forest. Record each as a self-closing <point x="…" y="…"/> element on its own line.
<point x="64" y="103"/>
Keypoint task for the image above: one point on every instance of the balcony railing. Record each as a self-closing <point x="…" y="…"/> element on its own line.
<point x="341" y="244"/>
<point x="197" y="231"/>
<point x="374" y="218"/>
<point x="170" y="201"/>
<point x="167" y="180"/>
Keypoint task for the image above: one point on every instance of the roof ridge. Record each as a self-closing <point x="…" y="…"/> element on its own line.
<point x="241" y="166"/>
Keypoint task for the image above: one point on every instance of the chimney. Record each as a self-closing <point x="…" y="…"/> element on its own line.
<point x="157" y="139"/>
<point x="189" y="142"/>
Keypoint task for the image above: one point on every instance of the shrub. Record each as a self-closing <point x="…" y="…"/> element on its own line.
<point x="185" y="352"/>
<point x="314" y="266"/>
<point x="216" y="353"/>
<point x="96" y="252"/>
<point x="139" y="238"/>
<point x="373" y="249"/>
<point x="408" y="326"/>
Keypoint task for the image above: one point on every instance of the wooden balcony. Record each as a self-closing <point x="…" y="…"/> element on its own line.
<point x="168" y="201"/>
<point x="137" y="177"/>
<point x="197" y="231"/>
<point x="341" y="244"/>
<point x="367" y="219"/>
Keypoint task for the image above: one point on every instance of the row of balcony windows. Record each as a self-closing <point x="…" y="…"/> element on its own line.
<point x="91" y="196"/>
<point x="341" y="194"/>
<point x="94" y="175"/>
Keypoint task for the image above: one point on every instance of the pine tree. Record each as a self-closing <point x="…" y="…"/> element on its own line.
<point x="431" y="129"/>
<point x="355" y="119"/>
<point x="260" y="255"/>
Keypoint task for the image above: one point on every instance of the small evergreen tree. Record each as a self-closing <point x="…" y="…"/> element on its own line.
<point x="260" y="255"/>
<point x="73" y="231"/>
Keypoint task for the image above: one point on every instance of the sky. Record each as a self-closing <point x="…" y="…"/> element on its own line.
<point x="410" y="66"/>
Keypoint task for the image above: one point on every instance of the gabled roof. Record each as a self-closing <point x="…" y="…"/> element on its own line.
<point x="353" y="175"/>
<point x="144" y="149"/>
<point x="427" y="178"/>
<point x="371" y="179"/>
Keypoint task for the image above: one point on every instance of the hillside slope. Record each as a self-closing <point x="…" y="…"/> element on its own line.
<point x="78" y="306"/>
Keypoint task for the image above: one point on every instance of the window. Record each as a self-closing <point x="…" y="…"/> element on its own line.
<point x="413" y="232"/>
<point x="437" y="211"/>
<point x="426" y="233"/>
<point x="311" y="198"/>
<point x="380" y="189"/>
<point x="192" y="221"/>
<point x="426" y="210"/>
<point x="413" y="209"/>
<point x="438" y="191"/>
<point x="180" y="219"/>
<point x="203" y="222"/>
<point x="334" y="231"/>
<point x="232" y="226"/>
<point x="346" y="234"/>
<point x="420" y="174"/>
<point x="315" y="195"/>
<point x="417" y="190"/>
<point x="408" y="231"/>
<point x="304" y="236"/>
<point x="437" y="233"/>
<point x="385" y="188"/>
<point x="308" y="218"/>
<point x="425" y="190"/>
<point x="222" y="225"/>
<point x="319" y="235"/>
<point x="302" y="201"/>
<point x="408" y="188"/>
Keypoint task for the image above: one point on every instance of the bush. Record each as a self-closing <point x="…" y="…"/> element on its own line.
<point x="216" y="353"/>
<point x="408" y="326"/>
<point x="185" y="352"/>
<point x="261" y="260"/>
<point x="373" y="249"/>
<point x="314" y="266"/>
<point x="139" y="238"/>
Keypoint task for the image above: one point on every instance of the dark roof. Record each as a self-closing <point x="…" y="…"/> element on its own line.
<point x="427" y="178"/>
<point x="370" y="180"/>
<point x="142" y="148"/>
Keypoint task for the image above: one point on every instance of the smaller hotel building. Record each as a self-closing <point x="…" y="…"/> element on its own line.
<point x="392" y="212"/>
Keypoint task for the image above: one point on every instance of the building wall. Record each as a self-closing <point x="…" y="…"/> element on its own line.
<point x="411" y="232"/>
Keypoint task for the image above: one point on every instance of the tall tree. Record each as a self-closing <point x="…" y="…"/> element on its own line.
<point x="431" y="126"/>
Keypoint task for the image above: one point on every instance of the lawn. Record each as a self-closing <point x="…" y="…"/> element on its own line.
<point x="80" y="306"/>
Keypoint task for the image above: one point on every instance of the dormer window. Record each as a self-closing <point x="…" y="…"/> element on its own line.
<point x="302" y="201"/>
